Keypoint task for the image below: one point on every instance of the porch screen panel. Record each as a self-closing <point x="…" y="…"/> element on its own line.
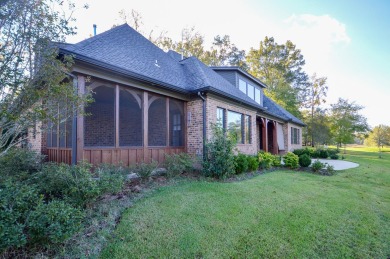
<point x="130" y="118"/>
<point x="157" y="121"/>
<point x="69" y="123"/>
<point x="48" y="135"/>
<point x="176" y="123"/>
<point x="99" y="126"/>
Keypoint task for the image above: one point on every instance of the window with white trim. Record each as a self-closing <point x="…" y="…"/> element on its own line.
<point x="295" y="136"/>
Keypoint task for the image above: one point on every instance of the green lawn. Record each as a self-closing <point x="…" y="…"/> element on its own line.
<point x="279" y="214"/>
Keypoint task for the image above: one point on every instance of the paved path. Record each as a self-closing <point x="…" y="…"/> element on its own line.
<point x="338" y="164"/>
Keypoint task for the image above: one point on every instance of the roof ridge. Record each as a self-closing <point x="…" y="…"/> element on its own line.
<point x="202" y="74"/>
<point x="86" y="42"/>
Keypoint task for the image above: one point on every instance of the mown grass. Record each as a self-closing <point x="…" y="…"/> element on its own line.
<point x="279" y="214"/>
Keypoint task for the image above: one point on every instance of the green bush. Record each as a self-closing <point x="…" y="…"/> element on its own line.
<point x="219" y="156"/>
<point x="177" y="164"/>
<point x="330" y="170"/>
<point x="253" y="163"/>
<point x="111" y="178"/>
<point x="241" y="163"/>
<point x="317" y="166"/>
<point x="334" y="156"/>
<point x="304" y="160"/>
<point x="145" y="170"/>
<point x="323" y="153"/>
<point x="316" y="154"/>
<point x="301" y="151"/>
<point x="277" y="161"/>
<point x="266" y="159"/>
<point x="16" y="202"/>
<point x="291" y="160"/>
<point x="18" y="161"/>
<point x="53" y="222"/>
<point x="73" y="184"/>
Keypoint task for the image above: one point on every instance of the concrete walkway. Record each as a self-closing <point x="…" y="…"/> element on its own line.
<point x="337" y="164"/>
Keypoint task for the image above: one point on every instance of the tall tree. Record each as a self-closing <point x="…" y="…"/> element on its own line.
<point x="280" y="66"/>
<point x="346" y="121"/>
<point x="315" y="96"/>
<point x="379" y="137"/>
<point x="30" y="69"/>
<point x="320" y="125"/>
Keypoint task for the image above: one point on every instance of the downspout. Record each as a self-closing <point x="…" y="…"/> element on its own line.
<point x="74" y="123"/>
<point x="204" y="124"/>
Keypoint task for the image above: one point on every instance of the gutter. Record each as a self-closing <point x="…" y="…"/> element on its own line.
<point x="204" y="124"/>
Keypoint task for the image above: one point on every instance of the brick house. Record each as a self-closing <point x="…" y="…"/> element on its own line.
<point x="149" y="102"/>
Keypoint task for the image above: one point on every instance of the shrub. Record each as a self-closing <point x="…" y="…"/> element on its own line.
<point x="145" y="170"/>
<point x="291" y="160"/>
<point x="316" y="154"/>
<point x="177" y="164"/>
<point x="301" y="151"/>
<point x="317" y="166"/>
<point x="330" y="170"/>
<point x="334" y="156"/>
<point x="53" y="222"/>
<point x="304" y="160"/>
<point x="219" y="155"/>
<point x="332" y="151"/>
<point x="266" y="160"/>
<point x="16" y="202"/>
<point x="111" y="178"/>
<point x="277" y="161"/>
<point x="241" y="163"/>
<point x="253" y="163"/>
<point x="73" y="184"/>
<point x="323" y="153"/>
<point x="19" y="160"/>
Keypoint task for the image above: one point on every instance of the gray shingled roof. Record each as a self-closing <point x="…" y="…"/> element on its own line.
<point x="124" y="50"/>
<point x="274" y="109"/>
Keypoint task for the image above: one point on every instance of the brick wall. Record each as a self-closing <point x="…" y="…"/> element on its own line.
<point x="195" y="127"/>
<point x="211" y="114"/>
<point x="34" y="137"/>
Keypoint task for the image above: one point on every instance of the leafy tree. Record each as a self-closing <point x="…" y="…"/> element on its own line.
<point x="315" y="96"/>
<point x="346" y="121"/>
<point x="379" y="137"/>
<point x="30" y="69"/>
<point x="318" y="130"/>
<point x="280" y="66"/>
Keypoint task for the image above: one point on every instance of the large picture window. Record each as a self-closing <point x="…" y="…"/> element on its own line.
<point x="221" y="118"/>
<point x="130" y="118"/>
<point x="295" y="136"/>
<point x="248" y="130"/>
<point x="235" y="125"/>
<point x="100" y="122"/>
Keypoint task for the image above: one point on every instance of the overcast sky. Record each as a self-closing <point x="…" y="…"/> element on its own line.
<point x="347" y="41"/>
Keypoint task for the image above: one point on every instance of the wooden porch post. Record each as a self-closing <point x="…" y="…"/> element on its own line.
<point x="275" y="138"/>
<point x="265" y="133"/>
<point x="80" y="122"/>
<point x="145" y="125"/>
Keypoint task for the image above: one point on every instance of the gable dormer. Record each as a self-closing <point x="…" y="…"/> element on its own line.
<point x="245" y="82"/>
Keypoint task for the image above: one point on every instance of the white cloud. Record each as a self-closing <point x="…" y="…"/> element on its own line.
<point x="319" y="38"/>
